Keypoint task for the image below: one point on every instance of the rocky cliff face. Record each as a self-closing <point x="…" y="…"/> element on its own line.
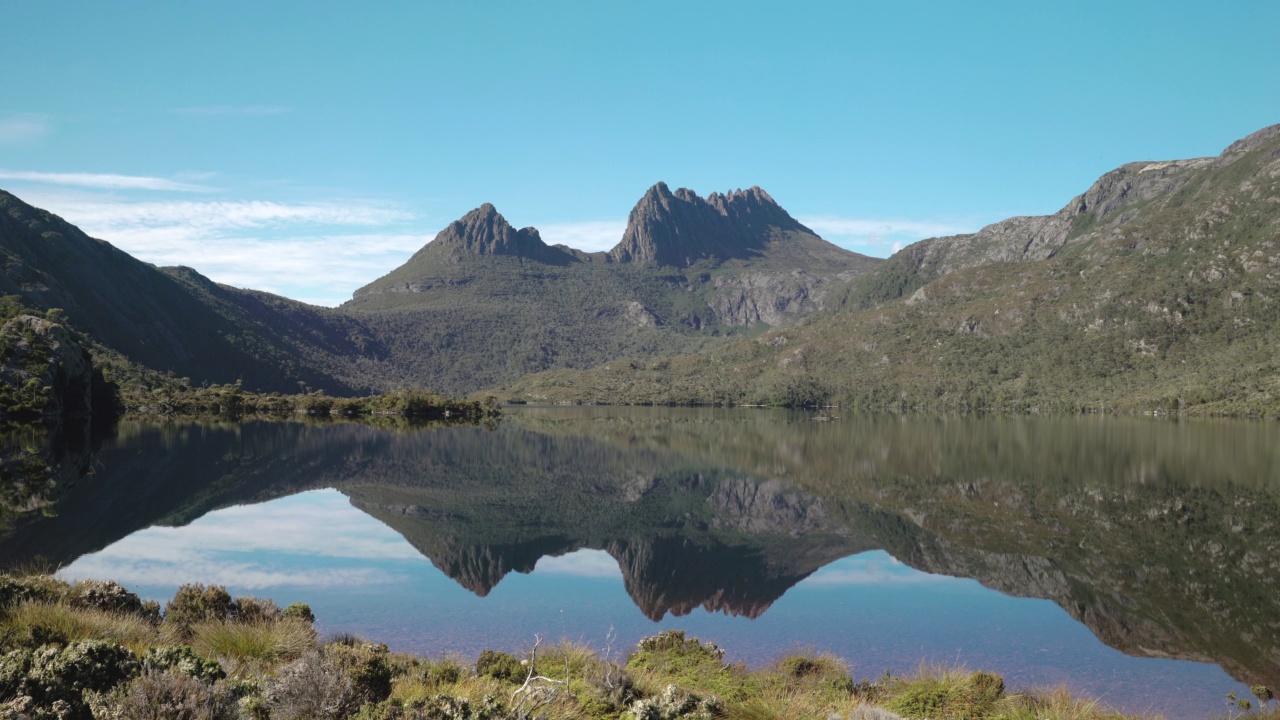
<point x="1116" y="198"/>
<point x="42" y="362"/>
<point x="484" y="231"/>
<point x="681" y="228"/>
<point x="774" y="298"/>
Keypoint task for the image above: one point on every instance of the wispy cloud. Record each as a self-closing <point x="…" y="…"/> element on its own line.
<point x="582" y="563"/>
<point x="872" y="568"/>
<point x="24" y="129"/>
<point x="204" y="216"/>
<point x="314" y="539"/>
<point x="102" y="181"/>
<point x="879" y="237"/>
<point x="243" y="110"/>
<point x="317" y="252"/>
<point x="590" y="236"/>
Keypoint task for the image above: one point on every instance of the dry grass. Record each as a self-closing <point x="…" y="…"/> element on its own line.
<point x="257" y="646"/>
<point x="35" y="622"/>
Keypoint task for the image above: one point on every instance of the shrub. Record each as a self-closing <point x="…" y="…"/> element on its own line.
<point x="674" y="704"/>
<point x="15" y="589"/>
<point x="301" y="611"/>
<point x="181" y="659"/>
<point x="500" y="666"/>
<point x="367" y="667"/>
<point x="196" y="603"/>
<point x="311" y="688"/>
<point x="53" y="682"/>
<point x="167" y="695"/>
<point x="104" y="595"/>
<point x="251" y="609"/>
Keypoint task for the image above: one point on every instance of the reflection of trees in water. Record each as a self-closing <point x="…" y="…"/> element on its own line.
<point x="1160" y="536"/>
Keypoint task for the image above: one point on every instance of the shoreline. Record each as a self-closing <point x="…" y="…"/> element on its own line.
<point x="257" y="660"/>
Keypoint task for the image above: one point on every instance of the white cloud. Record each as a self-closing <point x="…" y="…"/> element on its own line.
<point x="590" y="236"/>
<point x="104" y="181"/>
<point x="24" y="129"/>
<point x="246" y="110"/>
<point x="317" y="252"/>
<point x="828" y="224"/>
<point x="871" y="568"/>
<point x="878" y="236"/>
<point x="205" y="216"/>
<point x="580" y="563"/>
<point x="314" y="539"/>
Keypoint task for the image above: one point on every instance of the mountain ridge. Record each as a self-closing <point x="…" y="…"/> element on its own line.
<point x="1156" y="290"/>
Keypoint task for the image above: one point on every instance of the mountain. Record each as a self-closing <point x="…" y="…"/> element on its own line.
<point x="484" y="303"/>
<point x="480" y="305"/>
<point x="1155" y="290"/>
<point x="168" y="319"/>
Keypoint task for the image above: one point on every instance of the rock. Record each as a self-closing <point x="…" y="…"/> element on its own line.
<point x="41" y="360"/>
<point x="484" y="231"/>
<point x="681" y="228"/>
<point x="755" y="297"/>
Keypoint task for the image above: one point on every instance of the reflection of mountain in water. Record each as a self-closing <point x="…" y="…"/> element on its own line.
<point x="1161" y="537"/>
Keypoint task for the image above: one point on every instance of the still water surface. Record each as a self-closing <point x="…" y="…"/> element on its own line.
<point x="1132" y="560"/>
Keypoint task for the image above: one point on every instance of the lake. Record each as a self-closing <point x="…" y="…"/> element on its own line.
<point x="1134" y="560"/>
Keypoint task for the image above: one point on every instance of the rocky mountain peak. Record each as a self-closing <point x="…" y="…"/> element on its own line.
<point x="681" y="228"/>
<point x="484" y="231"/>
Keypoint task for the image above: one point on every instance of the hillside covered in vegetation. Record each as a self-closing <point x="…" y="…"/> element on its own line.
<point x="1156" y="290"/>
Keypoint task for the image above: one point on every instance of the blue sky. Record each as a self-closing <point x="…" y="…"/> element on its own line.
<point x="307" y="148"/>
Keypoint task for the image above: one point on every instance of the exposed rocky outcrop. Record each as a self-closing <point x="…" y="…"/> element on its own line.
<point x="484" y="231"/>
<point x="681" y="228"/>
<point x="773" y="298"/>
<point x="40" y="359"/>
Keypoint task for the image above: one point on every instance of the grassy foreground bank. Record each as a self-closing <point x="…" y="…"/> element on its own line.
<point x="95" y="650"/>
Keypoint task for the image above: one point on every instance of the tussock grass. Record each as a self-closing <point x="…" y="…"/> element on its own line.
<point x="1054" y="704"/>
<point x="243" y="646"/>
<point x="34" y="623"/>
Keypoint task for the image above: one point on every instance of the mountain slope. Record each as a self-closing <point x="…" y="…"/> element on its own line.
<point x="484" y="303"/>
<point x="1156" y="290"/>
<point x="168" y="319"/>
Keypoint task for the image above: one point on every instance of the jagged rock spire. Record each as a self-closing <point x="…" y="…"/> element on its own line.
<point x="681" y="228"/>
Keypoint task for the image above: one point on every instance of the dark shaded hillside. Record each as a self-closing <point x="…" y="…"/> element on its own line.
<point x="169" y="320"/>
<point x="1156" y="290"/>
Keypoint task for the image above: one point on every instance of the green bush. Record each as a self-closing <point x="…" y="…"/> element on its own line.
<point x="255" y="610"/>
<point x="22" y="588"/>
<point x="104" y="595"/>
<point x="182" y="659"/>
<point x="301" y="611"/>
<point x="54" y="682"/>
<point x="500" y="666"/>
<point x="196" y="603"/>
<point x="366" y="666"/>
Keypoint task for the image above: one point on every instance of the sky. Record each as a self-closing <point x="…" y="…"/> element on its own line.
<point x="309" y="148"/>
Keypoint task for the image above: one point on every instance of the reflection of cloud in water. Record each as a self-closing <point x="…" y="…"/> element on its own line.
<point x="210" y="571"/>
<point x="581" y="563"/>
<point x="311" y="539"/>
<point x="871" y="568"/>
